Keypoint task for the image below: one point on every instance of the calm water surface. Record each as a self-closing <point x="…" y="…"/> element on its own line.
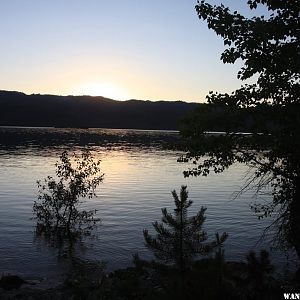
<point x="139" y="176"/>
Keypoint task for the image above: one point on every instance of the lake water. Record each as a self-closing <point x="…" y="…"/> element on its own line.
<point x="140" y="173"/>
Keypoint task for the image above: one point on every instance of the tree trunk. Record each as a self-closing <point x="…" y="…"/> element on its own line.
<point x="69" y="218"/>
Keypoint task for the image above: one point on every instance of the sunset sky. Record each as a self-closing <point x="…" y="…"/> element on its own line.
<point x="122" y="49"/>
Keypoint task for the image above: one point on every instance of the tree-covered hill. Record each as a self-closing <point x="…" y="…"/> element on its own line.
<point x="19" y="109"/>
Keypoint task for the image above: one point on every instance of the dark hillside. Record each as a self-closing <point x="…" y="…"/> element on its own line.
<point x="19" y="109"/>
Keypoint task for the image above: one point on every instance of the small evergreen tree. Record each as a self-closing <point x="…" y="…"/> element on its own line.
<point x="180" y="238"/>
<point x="58" y="212"/>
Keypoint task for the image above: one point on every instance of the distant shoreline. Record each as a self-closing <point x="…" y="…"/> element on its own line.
<point x="89" y="128"/>
<point x="21" y="110"/>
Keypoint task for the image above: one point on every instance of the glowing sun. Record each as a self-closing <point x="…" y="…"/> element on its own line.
<point x="105" y="89"/>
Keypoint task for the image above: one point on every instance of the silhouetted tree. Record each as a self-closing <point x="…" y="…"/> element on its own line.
<point x="57" y="211"/>
<point x="220" y="260"/>
<point x="269" y="108"/>
<point x="257" y="276"/>
<point x="183" y="238"/>
<point x="179" y="240"/>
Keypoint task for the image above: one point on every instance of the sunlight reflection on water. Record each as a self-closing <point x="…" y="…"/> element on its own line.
<point x="139" y="175"/>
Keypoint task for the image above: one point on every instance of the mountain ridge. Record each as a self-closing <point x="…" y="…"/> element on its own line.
<point x="20" y="109"/>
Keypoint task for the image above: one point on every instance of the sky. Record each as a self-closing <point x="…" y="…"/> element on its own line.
<point x="121" y="49"/>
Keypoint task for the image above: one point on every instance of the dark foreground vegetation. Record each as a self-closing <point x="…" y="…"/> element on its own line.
<point x="269" y="48"/>
<point x="57" y="209"/>
<point x="207" y="279"/>
<point x="185" y="266"/>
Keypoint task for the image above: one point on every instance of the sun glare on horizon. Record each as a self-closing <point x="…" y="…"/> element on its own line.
<point x="105" y="89"/>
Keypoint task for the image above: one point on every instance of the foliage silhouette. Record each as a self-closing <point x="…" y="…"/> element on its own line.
<point x="258" y="267"/>
<point x="220" y="261"/>
<point x="258" y="280"/>
<point x="57" y="211"/>
<point x="179" y="240"/>
<point x="269" y="108"/>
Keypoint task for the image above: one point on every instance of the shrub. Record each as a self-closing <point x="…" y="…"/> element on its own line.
<point x="57" y="211"/>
